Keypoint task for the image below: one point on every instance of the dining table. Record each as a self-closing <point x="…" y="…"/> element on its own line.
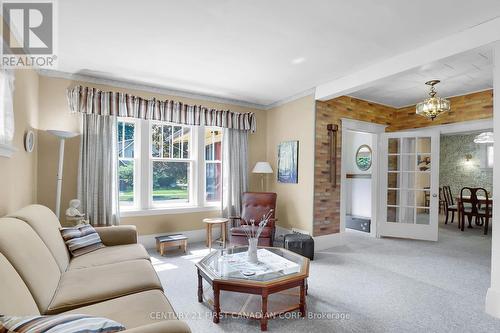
<point x="480" y="198"/>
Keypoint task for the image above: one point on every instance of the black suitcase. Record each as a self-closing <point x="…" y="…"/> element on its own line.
<point x="300" y="243"/>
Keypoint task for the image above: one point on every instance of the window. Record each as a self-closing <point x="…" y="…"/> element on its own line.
<point x="126" y="162"/>
<point x="171" y="164"/>
<point x="486" y="154"/>
<point x="213" y="165"/>
<point x="168" y="166"/>
<point x="489" y="156"/>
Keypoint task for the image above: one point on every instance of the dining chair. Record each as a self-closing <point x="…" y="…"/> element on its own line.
<point x="427" y="196"/>
<point x="449" y="204"/>
<point x="485" y="208"/>
<point x="442" y="202"/>
<point x="472" y="207"/>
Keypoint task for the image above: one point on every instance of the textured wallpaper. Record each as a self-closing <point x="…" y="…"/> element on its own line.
<point x="455" y="171"/>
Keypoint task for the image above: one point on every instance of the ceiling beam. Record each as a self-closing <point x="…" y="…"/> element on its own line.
<point x="474" y="37"/>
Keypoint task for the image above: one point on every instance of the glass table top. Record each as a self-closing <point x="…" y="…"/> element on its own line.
<point x="274" y="263"/>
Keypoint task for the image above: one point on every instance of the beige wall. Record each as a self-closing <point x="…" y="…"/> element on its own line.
<point x="54" y="114"/>
<point x="293" y="121"/>
<point x="18" y="174"/>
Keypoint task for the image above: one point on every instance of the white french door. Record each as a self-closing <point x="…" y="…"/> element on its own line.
<point x="409" y="185"/>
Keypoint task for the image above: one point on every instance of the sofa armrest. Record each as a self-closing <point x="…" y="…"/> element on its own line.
<point x="167" y="326"/>
<point x="117" y="235"/>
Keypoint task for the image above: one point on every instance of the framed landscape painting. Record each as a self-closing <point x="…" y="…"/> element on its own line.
<point x="288" y="157"/>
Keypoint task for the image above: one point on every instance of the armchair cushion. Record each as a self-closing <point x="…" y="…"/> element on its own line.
<point x="117" y="235"/>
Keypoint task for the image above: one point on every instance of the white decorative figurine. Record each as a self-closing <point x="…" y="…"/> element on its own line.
<point x="73" y="211"/>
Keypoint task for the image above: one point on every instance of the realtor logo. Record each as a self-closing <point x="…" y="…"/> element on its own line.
<point x="28" y="34"/>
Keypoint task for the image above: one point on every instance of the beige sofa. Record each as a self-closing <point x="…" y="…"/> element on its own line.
<point x="38" y="275"/>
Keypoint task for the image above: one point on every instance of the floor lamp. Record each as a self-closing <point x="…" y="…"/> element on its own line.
<point x="62" y="135"/>
<point x="262" y="168"/>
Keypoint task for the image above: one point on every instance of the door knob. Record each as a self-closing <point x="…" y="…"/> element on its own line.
<point x="434" y="195"/>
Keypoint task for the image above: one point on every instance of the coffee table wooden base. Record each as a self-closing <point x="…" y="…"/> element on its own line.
<point x="263" y="291"/>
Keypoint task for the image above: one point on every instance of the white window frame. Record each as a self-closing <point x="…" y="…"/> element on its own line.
<point x="143" y="176"/>
<point x="205" y="162"/>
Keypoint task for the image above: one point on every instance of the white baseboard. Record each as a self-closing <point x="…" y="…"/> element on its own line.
<point x="193" y="236"/>
<point x="328" y="241"/>
<point x="493" y="303"/>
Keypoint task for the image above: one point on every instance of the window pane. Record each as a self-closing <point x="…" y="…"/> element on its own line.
<point x="126" y="179"/>
<point x="167" y="141"/>
<point x="490" y="156"/>
<point x="213" y="182"/>
<point x="128" y="144"/>
<point x="177" y="142"/>
<point x="120" y="139"/>
<point x="186" y="136"/>
<point x="213" y="144"/>
<point x="170" y="182"/>
<point x="156" y="141"/>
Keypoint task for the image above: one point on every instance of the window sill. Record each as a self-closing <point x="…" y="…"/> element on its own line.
<point x="167" y="211"/>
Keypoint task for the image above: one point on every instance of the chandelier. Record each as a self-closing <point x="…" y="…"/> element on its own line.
<point x="485" y="137"/>
<point x="434" y="105"/>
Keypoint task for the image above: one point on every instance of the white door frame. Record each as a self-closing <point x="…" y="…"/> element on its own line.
<point x="367" y="127"/>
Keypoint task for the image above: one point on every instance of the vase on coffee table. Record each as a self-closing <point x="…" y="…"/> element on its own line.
<point x="252" y="250"/>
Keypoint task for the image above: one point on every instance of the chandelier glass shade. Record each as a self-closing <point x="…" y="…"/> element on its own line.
<point x="485" y="137"/>
<point x="434" y="105"/>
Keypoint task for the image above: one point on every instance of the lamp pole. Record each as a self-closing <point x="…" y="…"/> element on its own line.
<point x="62" y="136"/>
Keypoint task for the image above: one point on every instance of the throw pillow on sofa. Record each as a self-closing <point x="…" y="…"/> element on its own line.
<point x="81" y="239"/>
<point x="59" y="324"/>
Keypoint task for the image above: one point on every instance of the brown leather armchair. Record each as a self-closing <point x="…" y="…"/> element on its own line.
<point x="254" y="206"/>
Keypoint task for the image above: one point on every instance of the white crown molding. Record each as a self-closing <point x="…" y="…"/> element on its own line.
<point x="148" y="88"/>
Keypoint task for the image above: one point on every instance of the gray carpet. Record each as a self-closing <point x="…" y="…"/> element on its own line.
<point x="379" y="285"/>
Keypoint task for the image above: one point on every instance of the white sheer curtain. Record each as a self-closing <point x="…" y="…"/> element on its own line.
<point x="6" y="106"/>
<point x="97" y="172"/>
<point x="234" y="170"/>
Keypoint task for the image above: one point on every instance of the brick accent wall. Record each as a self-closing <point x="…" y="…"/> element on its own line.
<point x="463" y="108"/>
<point x="326" y="198"/>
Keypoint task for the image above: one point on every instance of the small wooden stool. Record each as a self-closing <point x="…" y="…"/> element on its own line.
<point x="177" y="240"/>
<point x="223" y="230"/>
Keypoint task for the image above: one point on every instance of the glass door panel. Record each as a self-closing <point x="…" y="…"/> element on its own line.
<point x="411" y="182"/>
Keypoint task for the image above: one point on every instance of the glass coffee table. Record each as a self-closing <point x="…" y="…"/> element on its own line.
<point x="277" y="270"/>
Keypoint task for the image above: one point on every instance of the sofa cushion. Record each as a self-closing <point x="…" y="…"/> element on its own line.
<point x="31" y="258"/>
<point x="109" y="255"/>
<point x="13" y="287"/>
<point x="133" y="310"/>
<point x="81" y="287"/>
<point x="59" y="323"/>
<point x="81" y="239"/>
<point x="46" y="225"/>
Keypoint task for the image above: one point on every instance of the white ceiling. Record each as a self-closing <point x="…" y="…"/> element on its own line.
<point x="256" y="51"/>
<point x="460" y="74"/>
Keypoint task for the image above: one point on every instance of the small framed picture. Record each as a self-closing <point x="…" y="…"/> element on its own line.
<point x="288" y="158"/>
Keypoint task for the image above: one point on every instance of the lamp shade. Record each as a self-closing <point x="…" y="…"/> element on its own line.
<point x="262" y="167"/>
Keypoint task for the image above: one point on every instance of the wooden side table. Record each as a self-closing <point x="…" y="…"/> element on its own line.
<point x="209" y="222"/>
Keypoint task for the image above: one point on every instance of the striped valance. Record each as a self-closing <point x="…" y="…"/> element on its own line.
<point x="109" y="103"/>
